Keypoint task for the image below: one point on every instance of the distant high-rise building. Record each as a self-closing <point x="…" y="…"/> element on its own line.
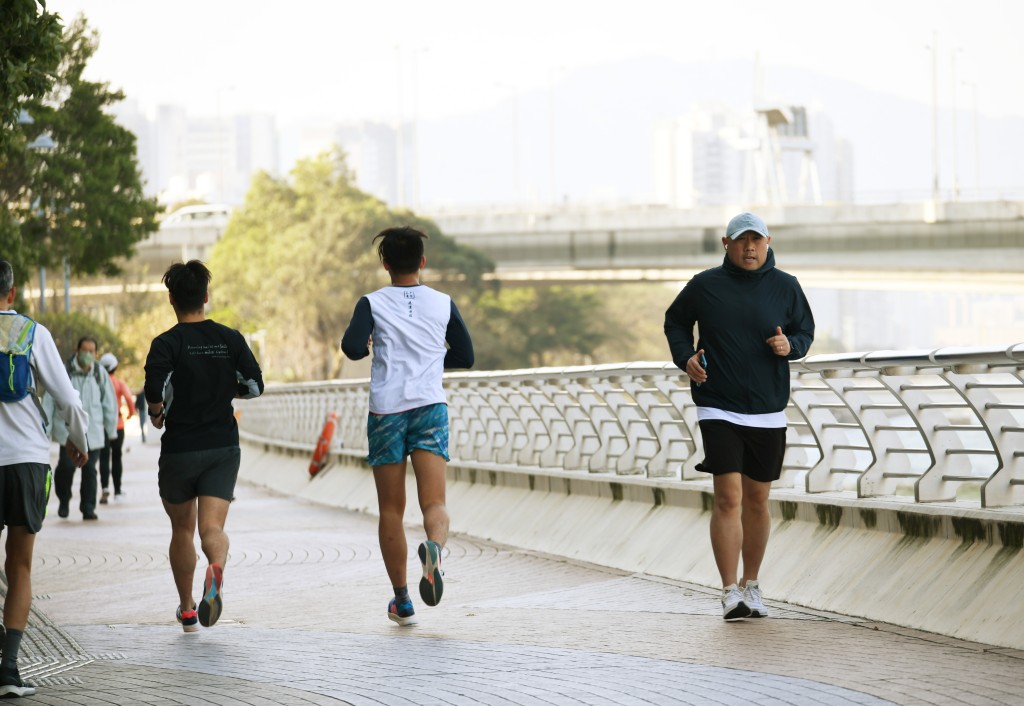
<point x="372" y="153"/>
<point x="257" y="149"/>
<point x="206" y="158"/>
<point x="128" y="114"/>
<point x="169" y="138"/>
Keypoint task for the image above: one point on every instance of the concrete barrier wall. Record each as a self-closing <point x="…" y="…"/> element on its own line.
<point x="942" y="569"/>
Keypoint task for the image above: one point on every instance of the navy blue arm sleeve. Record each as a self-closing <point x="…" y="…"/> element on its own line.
<point x="460" y="346"/>
<point x="355" y="344"/>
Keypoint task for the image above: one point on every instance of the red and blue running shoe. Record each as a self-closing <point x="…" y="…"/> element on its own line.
<point x="402" y="613"/>
<point x="213" y="591"/>
<point x="188" y="619"/>
<point x="432" y="583"/>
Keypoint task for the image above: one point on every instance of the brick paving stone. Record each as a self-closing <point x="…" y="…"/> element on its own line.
<point x="304" y="623"/>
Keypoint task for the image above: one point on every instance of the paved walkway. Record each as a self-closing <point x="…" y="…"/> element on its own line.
<point x="304" y="623"/>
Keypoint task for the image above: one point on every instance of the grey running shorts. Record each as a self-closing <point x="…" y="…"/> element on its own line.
<point x="731" y="448"/>
<point x="24" y="492"/>
<point x="212" y="472"/>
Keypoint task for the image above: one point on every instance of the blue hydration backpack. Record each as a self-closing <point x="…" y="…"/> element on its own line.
<point x="17" y="334"/>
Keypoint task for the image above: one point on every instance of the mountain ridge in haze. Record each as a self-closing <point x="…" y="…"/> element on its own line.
<point x="604" y="117"/>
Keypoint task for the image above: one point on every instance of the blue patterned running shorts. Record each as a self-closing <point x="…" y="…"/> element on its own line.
<point x="392" y="437"/>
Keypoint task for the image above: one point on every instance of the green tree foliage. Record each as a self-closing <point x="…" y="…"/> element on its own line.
<point x="639" y="313"/>
<point x="89" y="204"/>
<point x="140" y="329"/>
<point x="30" y="49"/>
<point x="537" y="326"/>
<point x="297" y="255"/>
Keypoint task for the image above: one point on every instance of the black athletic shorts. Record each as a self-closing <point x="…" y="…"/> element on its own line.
<point x="731" y="448"/>
<point x="213" y="472"/>
<point x="24" y="492"/>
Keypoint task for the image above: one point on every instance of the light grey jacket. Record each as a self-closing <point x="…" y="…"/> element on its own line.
<point x="98" y="400"/>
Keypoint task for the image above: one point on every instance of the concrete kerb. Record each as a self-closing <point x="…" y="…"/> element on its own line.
<point x="940" y="569"/>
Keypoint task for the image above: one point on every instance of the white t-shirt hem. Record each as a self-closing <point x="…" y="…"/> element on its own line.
<point x="771" y="420"/>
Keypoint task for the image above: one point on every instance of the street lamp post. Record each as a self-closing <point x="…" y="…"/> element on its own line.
<point x="222" y="190"/>
<point x="42" y="143"/>
<point x="67" y="285"/>
<point x="935" y="117"/>
<point x="956" y="157"/>
<point x="514" y="96"/>
<point x="977" y="157"/>
<point x="399" y="130"/>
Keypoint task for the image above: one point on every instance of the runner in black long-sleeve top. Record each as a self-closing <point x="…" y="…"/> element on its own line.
<point x="193" y="372"/>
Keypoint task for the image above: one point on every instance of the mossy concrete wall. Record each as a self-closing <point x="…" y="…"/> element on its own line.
<point x="944" y="569"/>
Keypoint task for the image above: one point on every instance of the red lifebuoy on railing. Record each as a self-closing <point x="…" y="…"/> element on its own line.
<point x="323" y="444"/>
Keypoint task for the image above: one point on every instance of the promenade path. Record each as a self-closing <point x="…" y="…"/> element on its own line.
<point x="304" y="623"/>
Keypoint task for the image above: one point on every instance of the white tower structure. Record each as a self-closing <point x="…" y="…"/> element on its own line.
<point x="780" y="134"/>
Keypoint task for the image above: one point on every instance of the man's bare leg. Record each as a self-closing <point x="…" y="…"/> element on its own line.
<point x="726" y="525"/>
<point x="430" y="488"/>
<point x="390" y="481"/>
<point x="213" y="513"/>
<point x="18" y="566"/>
<point x="757" y="525"/>
<point x="182" y="551"/>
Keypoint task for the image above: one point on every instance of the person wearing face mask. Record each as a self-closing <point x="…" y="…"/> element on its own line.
<point x="99" y="401"/>
<point x="752" y="320"/>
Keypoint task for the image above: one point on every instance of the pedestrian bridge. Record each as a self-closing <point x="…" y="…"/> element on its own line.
<point x="937" y="237"/>
<point x="903" y="477"/>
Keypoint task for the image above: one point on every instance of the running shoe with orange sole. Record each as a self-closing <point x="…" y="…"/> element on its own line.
<point x="213" y="590"/>
<point x="432" y="583"/>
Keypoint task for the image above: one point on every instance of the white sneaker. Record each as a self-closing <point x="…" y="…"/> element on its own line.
<point x="733" y="605"/>
<point x="752" y="597"/>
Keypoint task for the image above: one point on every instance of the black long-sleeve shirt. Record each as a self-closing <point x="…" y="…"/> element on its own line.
<point x="197" y="369"/>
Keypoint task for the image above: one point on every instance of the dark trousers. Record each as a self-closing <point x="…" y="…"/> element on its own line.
<point x="65" y="473"/>
<point x="110" y="460"/>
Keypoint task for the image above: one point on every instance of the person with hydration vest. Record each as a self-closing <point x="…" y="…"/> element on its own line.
<point x="28" y="358"/>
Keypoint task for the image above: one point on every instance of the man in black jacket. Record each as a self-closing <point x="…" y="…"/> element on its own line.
<point x="752" y="319"/>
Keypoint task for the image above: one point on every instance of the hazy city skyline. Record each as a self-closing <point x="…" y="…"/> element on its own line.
<point x="562" y="102"/>
<point x="342" y="59"/>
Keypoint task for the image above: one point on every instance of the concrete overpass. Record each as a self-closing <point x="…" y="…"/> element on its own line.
<point x="951" y="246"/>
<point x="654" y="242"/>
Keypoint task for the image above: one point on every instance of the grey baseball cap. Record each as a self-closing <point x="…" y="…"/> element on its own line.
<point x="742" y="223"/>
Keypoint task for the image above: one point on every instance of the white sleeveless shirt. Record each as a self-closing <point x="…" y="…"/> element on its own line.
<point x="409" y="325"/>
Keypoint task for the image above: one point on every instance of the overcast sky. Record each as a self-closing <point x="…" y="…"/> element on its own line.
<point x="372" y="59"/>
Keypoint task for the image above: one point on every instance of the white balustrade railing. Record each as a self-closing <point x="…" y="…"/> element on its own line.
<point x="940" y="425"/>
